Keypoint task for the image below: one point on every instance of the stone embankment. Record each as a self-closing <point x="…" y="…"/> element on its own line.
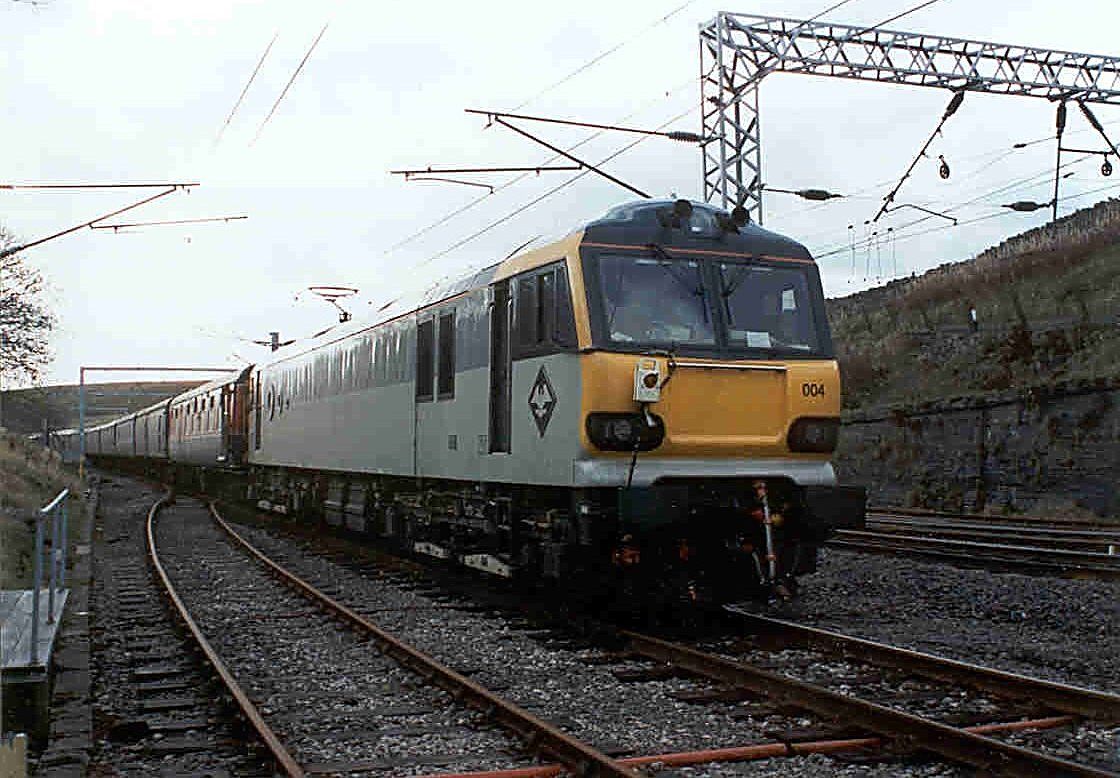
<point x="1035" y="450"/>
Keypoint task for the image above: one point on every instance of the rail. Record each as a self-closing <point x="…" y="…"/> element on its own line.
<point x="1012" y="518"/>
<point x="56" y="513"/>
<point x="1088" y="703"/>
<point x="280" y="754"/>
<point x="578" y="757"/>
<point x="1039" y="560"/>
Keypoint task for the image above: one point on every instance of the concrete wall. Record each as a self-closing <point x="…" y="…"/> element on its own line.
<point x="1029" y="451"/>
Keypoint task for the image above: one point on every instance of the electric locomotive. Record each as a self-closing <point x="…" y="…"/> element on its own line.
<point x="649" y="405"/>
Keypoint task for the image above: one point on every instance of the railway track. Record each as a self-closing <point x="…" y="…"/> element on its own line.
<point x="291" y="741"/>
<point x="153" y="709"/>
<point x="1028" y="545"/>
<point x="888" y="728"/>
<point x="1036" y="705"/>
<point x="868" y="727"/>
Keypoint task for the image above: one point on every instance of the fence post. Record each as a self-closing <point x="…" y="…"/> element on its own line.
<point x="37" y="582"/>
<point x="62" y="551"/>
<point x="53" y="562"/>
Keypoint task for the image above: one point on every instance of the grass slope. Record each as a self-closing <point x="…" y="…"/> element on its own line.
<point x="1043" y="317"/>
<point x="25" y="409"/>
<point x="30" y="477"/>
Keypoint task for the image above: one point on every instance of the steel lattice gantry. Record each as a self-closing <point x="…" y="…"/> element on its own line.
<point x="737" y="51"/>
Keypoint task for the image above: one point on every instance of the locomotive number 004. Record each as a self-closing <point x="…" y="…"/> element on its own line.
<point x="812" y="390"/>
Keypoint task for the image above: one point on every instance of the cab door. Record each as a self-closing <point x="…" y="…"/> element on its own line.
<point x="500" y="369"/>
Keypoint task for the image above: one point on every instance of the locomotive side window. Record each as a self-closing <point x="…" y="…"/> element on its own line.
<point x="525" y="313"/>
<point x="544" y="322"/>
<point x="565" y="327"/>
<point x="425" y="360"/>
<point x="445" y="374"/>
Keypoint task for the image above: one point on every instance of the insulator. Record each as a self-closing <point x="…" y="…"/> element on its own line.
<point x="1106" y="168"/>
<point x="1025" y="205"/>
<point x="954" y="104"/>
<point x="943" y="170"/>
<point x="1060" y="120"/>
<point x="816" y="194"/>
<point x="1092" y="119"/>
<point x="684" y="136"/>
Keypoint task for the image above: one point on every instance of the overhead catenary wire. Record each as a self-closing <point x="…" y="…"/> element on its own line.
<point x="950" y="109"/>
<point x="1017" y="183"/>
<point x="896" y="17"/>
<point x="288" y="85"/>
<point x="680" y="135"/>
<point x="542" y="197"/>
<point x="168" y="222"/>
<point x="638" y="36"/>
<point x="605" y="54"/>
<point x="472" y="204"/>
<point x="90" y="223"/>
<point x="557" y="150"/>
<point x="517" y="179"/>
<point x="245" y="90"/>
<point x="828" y="10"/>
<point x="1026" y="181"/>
<point x="582" y="68"/>
<point x="986" y="217"/>
<point x="158" y="185"/>
<point x="1000" y="154"/>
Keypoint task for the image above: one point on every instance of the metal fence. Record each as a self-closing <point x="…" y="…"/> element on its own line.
<point x="54" y="513"/>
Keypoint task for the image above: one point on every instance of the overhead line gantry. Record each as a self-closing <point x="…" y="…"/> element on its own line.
<point x="738" y="50"/>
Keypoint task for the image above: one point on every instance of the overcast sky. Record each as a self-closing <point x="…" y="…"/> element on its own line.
<point x="116" y="91"/>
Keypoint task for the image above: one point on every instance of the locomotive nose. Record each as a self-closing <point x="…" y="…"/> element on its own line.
<point x="725" y="408"/>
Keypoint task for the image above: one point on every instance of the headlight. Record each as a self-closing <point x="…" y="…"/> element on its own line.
<point x="625" y="431"/>
<point x="817" y="435"/>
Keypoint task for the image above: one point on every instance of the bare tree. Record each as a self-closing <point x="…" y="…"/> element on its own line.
<point x="25" y="322"/>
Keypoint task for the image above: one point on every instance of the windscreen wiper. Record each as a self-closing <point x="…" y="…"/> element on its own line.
<point x="659" y="251"/>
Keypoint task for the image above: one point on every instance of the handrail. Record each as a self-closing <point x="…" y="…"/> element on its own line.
<point x="54" y="503"/>
<point x="57" y="513"/>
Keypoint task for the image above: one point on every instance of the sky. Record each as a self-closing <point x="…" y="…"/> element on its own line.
<point x="102" y="91"/>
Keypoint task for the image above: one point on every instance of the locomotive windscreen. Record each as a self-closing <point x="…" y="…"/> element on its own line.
<point x="767" y="307"/>
<point x="655" y="300"/>
<point x="725" y="305"/>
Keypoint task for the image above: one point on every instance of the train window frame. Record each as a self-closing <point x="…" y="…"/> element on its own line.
<point x="425" y="359"/>
<point x="445" y="356"/>
<point x="543" y="321"/>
